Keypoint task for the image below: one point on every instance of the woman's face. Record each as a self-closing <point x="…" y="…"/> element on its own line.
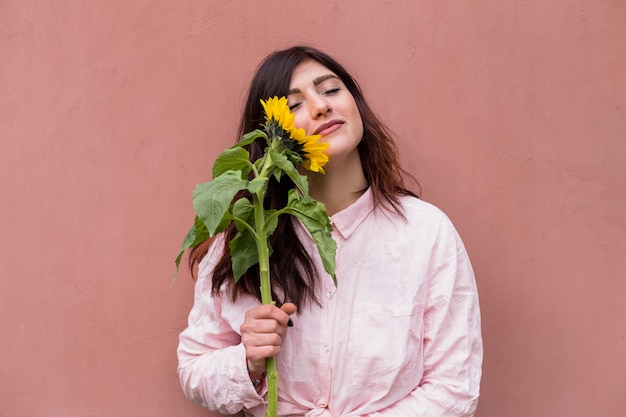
<point x="322" y="105"/>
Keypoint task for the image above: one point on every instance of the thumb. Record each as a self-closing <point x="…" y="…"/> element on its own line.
<point x="289" y="308"/>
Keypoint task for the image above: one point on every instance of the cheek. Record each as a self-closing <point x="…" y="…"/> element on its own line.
<point x="356" y="115"/>
<point x="299" y="121"/>
<point x="360" y="128"/>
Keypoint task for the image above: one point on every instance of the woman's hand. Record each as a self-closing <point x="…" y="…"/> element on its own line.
<point x="262" y="333"/>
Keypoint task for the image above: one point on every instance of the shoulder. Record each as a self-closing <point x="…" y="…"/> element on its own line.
<point x="426" y="218"/>
<point x="422" y="216"/>
<point x="415" y="208"/>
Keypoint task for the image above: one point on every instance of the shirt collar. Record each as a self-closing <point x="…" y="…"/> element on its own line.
<point x="347" y="220"/>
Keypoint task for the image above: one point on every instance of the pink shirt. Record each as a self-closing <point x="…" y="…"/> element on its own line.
<point x="399" y="336"/>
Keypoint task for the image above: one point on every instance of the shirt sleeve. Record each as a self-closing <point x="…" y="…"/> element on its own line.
<point x="211" y="357"/>
<point x="452" y="337"/>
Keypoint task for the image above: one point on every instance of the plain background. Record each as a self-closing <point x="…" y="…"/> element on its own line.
<point x="511" y="114"/>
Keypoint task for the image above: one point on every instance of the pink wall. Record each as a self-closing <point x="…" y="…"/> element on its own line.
<point x="512" y="114"/>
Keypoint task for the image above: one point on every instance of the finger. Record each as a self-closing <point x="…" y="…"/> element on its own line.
<point x="255" y="340"/>
<point x="259" y="326"/>
<point x="264" y="311"/>
<point x="271" y="312"/>
<point x="256" y="357"/>
<point x="261" y="346"/>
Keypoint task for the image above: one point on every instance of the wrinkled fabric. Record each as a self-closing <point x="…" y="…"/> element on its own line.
<point x="399" y="335"/>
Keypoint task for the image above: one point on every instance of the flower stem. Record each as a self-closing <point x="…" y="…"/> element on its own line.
<point x="262" y="249"/>
<point x="266" y="286"/>
<point x="272" y="387"/>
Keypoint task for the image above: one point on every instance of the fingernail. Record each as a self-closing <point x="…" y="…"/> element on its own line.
<point x="290" y="323"/>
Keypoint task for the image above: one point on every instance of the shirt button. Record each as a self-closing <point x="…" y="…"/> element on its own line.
<point x="326" y="348"/>
<point x="321" y="403"/>
<point x="330" y="294"/>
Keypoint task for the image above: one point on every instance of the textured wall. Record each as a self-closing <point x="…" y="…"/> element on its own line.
<point x="510" y="113"/>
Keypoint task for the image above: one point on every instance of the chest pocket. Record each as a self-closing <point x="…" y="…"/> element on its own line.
<point x="387" y="344"/>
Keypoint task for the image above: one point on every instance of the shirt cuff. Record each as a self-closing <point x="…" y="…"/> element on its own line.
<point x="250" y="396"/>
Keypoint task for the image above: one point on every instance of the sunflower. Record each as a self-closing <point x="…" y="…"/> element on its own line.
<point x="279" y="122"/>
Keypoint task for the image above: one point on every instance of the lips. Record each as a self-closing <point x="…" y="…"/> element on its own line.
<point x="328" y="127"/>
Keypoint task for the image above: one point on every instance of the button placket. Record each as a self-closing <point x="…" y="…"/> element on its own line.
<point x="326" y="339"/>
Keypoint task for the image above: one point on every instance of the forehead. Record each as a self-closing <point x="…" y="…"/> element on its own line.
<point x="307" y="72"/>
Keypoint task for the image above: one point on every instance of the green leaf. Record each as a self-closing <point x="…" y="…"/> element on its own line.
<point x="197" y="234"/>
<point x="243" y="250"/>
<point x="271" y="222"/>
<point x="232" y="159"/>
<point x="243" y="253"/>
<point x="226" y="219"/>
<point x="257" y="164"/>
<point x="257" y="184"/>
<point x="313" y="215"/>
<point x="281" y="161"/>
<point x="243" y="210"/>
<point x="212" y="199"/>
<point x="250" y="137"/>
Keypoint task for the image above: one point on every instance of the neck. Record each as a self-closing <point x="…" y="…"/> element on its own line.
<point x="341" y="186"/>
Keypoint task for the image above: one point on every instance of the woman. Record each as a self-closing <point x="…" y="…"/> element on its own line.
<point x="400" y="333"/>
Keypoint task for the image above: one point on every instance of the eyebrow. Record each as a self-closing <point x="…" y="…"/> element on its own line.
<point x="317" y="81"/>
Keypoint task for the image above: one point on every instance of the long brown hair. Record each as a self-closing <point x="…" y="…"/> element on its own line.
<point x="290" y="265"/>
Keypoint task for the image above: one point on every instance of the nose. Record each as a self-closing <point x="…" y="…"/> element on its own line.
<point x="318" y="107"/>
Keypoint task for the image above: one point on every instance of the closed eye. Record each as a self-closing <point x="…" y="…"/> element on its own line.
<point x="332" y="91"/>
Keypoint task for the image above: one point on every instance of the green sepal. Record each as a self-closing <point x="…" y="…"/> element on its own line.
<point x="232" y="159"/>
<point x="313" y="215"/>
<point x="212" y="199"/>
<point x="294" y="157"/>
